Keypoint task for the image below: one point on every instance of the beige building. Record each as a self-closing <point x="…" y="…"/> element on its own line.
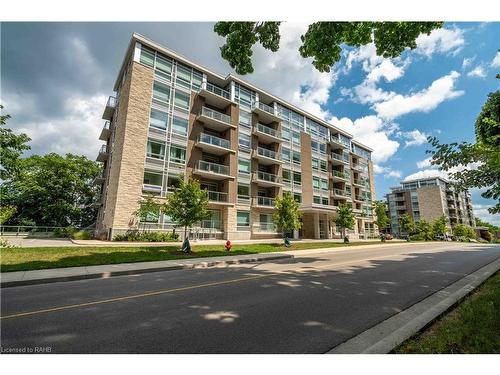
<point x="171" y="116"/>
<point x="428" y="199"/>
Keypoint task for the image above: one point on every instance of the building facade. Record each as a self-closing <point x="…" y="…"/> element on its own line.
<point x="429" y="199"/>
<point x="170" y="117"/>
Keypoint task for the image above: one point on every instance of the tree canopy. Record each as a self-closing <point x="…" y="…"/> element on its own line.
<point x="407" y="224"/>
<point x="382" y="220"/>
<point x="323" y="41"/>
<point x="485" y="153"/>
<point x="287" y="215"/>
<point x="345" y="218"/>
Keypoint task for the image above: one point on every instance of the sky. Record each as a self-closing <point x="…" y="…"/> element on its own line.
<point x="56" y="77"/>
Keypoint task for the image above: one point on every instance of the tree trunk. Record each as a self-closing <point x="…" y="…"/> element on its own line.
<point x="185" y="231"/>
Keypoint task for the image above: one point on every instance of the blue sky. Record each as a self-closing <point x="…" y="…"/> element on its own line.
<point x="56" y="77"/>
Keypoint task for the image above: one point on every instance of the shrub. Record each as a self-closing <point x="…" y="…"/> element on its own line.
<point x="135" y="235"/>
<point x="81" y="235"/>
<point x="416" y="237"/>
<point x="66" y="232"/>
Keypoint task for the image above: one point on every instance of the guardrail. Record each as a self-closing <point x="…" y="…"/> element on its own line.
<point x="218" y="91"/>
<point x="207" y="112"/>
<point x="213" y="167"/>
<point x="213" y="140"/>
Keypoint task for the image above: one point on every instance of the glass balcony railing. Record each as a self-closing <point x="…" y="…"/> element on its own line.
<point x="268" y="177"/>
<point x="112" y="101"/>
<point x="103" y="149"/>
<point x="207" y="166"/>
<point x="265" y="108"/>
<point x="216" y="196"/>
<point x="268" y="130"/>
<point x="341" y="193"/>
<point x="344" y="175"/>
<point x="266" y="227"/>
<point x="214" y="141"/>
<point x="210" y="113"/>
<point x="218" y="91"/>
<point x="340" y="157"/>
<point x="264" y="201"/>
<point x="267" y="153"/>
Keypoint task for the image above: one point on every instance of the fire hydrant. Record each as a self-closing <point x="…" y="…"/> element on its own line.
<point x="228" y="245"/>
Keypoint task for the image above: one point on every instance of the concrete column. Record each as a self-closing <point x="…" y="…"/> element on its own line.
<point x="316" y="225"/>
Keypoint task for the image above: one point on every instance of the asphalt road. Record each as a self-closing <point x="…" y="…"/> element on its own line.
<point x="308" y="304"/>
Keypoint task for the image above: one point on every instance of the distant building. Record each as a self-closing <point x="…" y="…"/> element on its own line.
<point x="428" y="199"/>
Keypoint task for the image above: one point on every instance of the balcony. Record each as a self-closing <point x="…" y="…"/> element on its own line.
<point x="266" y="156"/>
<point x="100" y="178"/>
<point x="266" y="133"/>
<point x="212" y="170"/>
<point x="217" y="197"/>
<point x="340" y="176"/>
<point x="215" y="96"/>
<point x="152" y="189"/>
<point x="339" y="159"/>
<point x="103" y="153"/>
<point x="213" y="144"/>
<point x="266" y="113"/>
<point x="340" y="194"/>
<point x="265" y="227"/>
<point x="215" y="120"/>
<point x="105" y="132"/>
<point x="336" y="142"/>
<point x="360" y="167"/>
<point x="110" y="108"/>
<point x="267" y="179"/>
<point x="266" y="202"/>
<point x="361" y="183"/>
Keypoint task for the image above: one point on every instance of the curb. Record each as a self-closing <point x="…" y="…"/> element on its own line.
<point x="385" y="336"/>
<point x="107" y="274"/>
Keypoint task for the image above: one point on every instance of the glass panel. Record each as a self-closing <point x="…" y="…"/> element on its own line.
<point x="151" y="178"/>
<point x="177" y="154"/>
<point x="181" y="100"/>
<point x="158" y="119"/>
<point x="244" y="166"/>
<point x="161" y="92"/>
<point x="244" y="140"/>
<point x="156" y="150"/>
<point x="147" y="57"/>
<point x="179" y="125"/>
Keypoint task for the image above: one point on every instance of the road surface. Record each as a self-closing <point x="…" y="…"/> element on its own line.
<point x="308" y="304"/>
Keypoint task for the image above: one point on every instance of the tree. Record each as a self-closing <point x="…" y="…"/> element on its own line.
<point x="287" y="215"/>
<point x="381" y="212"/>
<point x="492" y="228"/>
<point x="148" y="205"/>
<point x="323" y="41"/>
<point x="6" y="213"/>
<point x="12" y="147"/>
<point x="407" y="224"/>
<point x="439" y="226"/>
<point x="424" y="230"/>
<point x="345" y="218"/>
<point x="485" y="153"/>
<point x="53" y="190"/>
<point x="187" y="205"/>
<point x="460" y="230"/>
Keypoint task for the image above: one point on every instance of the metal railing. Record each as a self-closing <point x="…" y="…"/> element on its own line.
<point x="27" y="230"/>
<point x="265" y="108"/>
<point x="207" y="112"/>
<point x="213" y="140"/>
<point x="268" y="130"/>
<point x="243" y="199"/>
<point x="107" y="125"/>
<point x="207" y="166"/>
<point x="267" y="153"/>
<point x="216" y="196"/>
<point x="342" y="193"/>
<point x="264" y="201"/>
<point x="268" y="177"/>
<point x="218" y="91"/>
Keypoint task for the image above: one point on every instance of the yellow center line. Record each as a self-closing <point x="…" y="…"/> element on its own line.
<point x="165" y="291"/>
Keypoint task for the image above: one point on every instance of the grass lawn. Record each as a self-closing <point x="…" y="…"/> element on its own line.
<point x="472" y="327"/>
<point x="37" y="258"/>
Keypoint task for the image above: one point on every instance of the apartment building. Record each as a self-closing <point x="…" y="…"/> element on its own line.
<point x="428" y="199"/>
<point x="170" y="116"/>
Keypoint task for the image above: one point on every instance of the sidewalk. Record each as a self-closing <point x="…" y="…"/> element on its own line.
<point x="10" y="279"/>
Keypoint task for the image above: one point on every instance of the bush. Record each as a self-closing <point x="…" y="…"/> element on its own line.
<point x="135" y="235"/>
<point x="66" y="232"/>
<point x="416" y="237"/>
<point x="81" y="235"/>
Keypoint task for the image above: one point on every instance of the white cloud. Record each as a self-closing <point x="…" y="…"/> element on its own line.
<point x="481" y="211"/>
<point x="373" y="132"/>
<point x="478" y="72"/>
<point x="467" y="62"/>
<point x="496" y="61"/>
<point x="434" y="172"/>
<point x="387" y="70"/>
<point x="424" y="163"/>
<point x="425" y="100"/>
<point x="414" y="138"/>
<point x="387" y="172"/>
<point x="440" y="41"/>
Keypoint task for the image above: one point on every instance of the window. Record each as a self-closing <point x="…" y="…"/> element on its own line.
<point x="297" y="178"/>
<point x="177" y="154"/>
<point x="147" y="57"/>
<point x="242" y="220"/>
<point x="324" y="201"/>
<point x="285" y="154"/>
<point x="266" y="223"/>
<point x="161" y="92"/>
<point x="183" y="76"/>
<point x="316" y="183"/>
<point x="213" y="221"/>
<point x="286" y="175"/>
<point x="244" y="141"/>
<point x="285" y="134"/>
<point x="315" y="164"/>
<point x="322" y="148"/>
<point x="323" y="165"/>
<point x="150" y="217"/>
<point x="316" y="199"/>
<point x="156" y="150"/>
<point x="181" y="100"/>
<point x="296" y="138"/>
<point x="179" y="125"/>
<point x="324" y="184"/>
<point x="151" y="178"/>
<point x="244" y="166"/>
<point x="297" y="197"/>
<point x="296" y="157"/>
<point x="245" y="118"/>
<point x="158" y="119"/>
<point x="197" y="79"/>
<point x="244" y="193"/>
<point x="163" y="67"/>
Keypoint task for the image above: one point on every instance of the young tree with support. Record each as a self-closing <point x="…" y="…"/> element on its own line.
<point x="382" y="220"/>
<point x="345" y="219"/>
<point x="287" y="215"/>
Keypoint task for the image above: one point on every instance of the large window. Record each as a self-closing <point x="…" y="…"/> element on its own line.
<point x="296" y="157"/>
<point x="183" y="76"/>
<point x="213" y="221"/>
<point x="244" y="166"/>
<point x="287" y="175"/>
<point x="161" y="92"/>
<point x="297" y="197"/>
<point x="177" y="154"/>
<point x="244" y="141"/>
<point x="151" y="178"/>
<point x="243" y="193"/>
<point x="285" y="134"/>
<point x="163" y="67"/>
<point x="296" y="138"/>
<point x="315" y="164"/>
<point x="316" y="182"/>
<point x="323" y="165"/>
<point x="297" y="178"/>
<point x="147" y="57"/>
<point x="158" y="119"/>
<point x="179" y="125"/>
<point x="285" y="154"/>
<point x="181" y="100"/>
<point x="245" y="118"/>
<point x="324" y="184"/>
<point x="243" y="220"/>
<point x="156" y="149"/>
